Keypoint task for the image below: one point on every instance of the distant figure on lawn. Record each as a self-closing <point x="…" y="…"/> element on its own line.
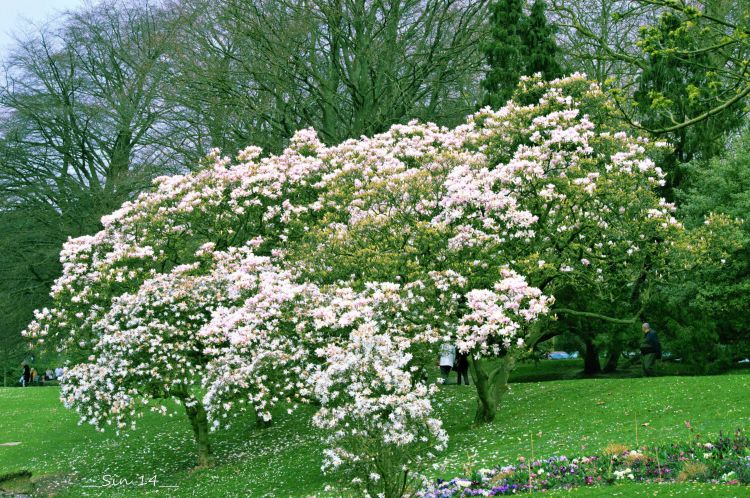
<point x="26" y="379"/>
<point x="650" y="350"/>
<point x="462" y="367"/>
<point x="447" y="359"/>
<point x="58" y="373"/>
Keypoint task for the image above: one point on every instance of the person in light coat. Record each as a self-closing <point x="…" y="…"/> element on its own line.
<point x="447" y="359"/>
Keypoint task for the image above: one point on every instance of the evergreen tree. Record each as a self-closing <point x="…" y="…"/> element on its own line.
<point x="504" y="52"/>
<point x="678" y="82"/>
<point x="539" y="38"/>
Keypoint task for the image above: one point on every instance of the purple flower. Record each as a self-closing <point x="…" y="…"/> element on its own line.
<point x="500" y="490"/>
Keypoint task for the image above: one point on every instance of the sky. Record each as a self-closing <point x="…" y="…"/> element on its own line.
<point x="15" y="13"/>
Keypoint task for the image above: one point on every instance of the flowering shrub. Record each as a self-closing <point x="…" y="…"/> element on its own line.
<point x="246" y="278"/>
<point x="131" y="304"/>
<point x="724" y="460"/>
<point x="257" y="354"/>
<point x="163" y="342"/>
<point x="379" y="418"/>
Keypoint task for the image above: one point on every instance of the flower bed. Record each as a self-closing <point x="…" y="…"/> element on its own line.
<point x="725" y="460"/>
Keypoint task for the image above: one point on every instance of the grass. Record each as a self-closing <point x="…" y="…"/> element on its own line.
<point x="572" y="417"/>
<point x="542" y="371"/>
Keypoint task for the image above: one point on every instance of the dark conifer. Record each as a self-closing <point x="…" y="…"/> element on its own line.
<point x="539" y="38"/>
<point x="504" y="52"/>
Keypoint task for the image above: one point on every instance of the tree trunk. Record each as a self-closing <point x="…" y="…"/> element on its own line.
<point x="613" y="355"/>
<point x="199" y="421"/>
<point x="490" y="385"/>
<point x="591" y="364"/>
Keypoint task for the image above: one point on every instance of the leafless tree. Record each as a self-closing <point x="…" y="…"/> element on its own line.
<point x="263" y="69"/>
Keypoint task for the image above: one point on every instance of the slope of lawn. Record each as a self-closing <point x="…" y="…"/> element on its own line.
<point x="572" y="417"/>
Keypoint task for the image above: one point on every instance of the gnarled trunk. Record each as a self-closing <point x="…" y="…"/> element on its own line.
<point x="199" y="421"/>
<point x="491" y="384"/>
<point x="591" y="364"/>
<point x="613" y="356"/>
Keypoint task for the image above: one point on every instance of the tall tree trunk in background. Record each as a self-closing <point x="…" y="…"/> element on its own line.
<point x="614" y="351"/>
<point x="591" y="364"/>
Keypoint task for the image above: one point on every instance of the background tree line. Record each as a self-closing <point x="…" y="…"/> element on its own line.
<point x="106" y="98"/>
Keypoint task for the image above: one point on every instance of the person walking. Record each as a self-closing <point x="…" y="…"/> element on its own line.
<point x="26" y="374"/>
<point x="650" y="350"/>
<point x="447" y="359"/>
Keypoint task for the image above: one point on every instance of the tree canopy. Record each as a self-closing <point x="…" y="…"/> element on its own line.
<point x="247" y="278"/>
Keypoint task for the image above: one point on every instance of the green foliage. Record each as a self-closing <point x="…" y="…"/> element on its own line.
<point x="718" y="188"/>
<point x="721" y="185"/>
<point x="702" y="308"/>
<point x="680" y="81"/>
<point x="539" y="39"/>
<point x="709" y="286"/>
<point x="520" y="45"/>
<point x="504" y="52"/>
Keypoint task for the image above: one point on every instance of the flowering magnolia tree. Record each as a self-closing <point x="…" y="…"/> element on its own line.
<point x="163" y="342"/>
<point x="139" y="304"/>
<point x="376" y="409"/>
<point x="334" y="272"/>
<point x="536" y="198"/>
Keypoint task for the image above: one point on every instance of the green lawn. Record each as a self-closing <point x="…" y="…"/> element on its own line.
<point x="572" y="417"/>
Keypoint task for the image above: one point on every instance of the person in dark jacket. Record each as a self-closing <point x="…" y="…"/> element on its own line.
<point x="462" y="367"/>
<point x="26" y="375"/>
<point x="650" y="350"/>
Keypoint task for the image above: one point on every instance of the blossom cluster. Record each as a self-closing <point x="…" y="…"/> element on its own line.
<point x="160" y="341"/>
<point x="369" y="398"/>
<point x="499" y="313"/>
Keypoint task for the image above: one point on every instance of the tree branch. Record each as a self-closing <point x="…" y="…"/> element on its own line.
<point x="587" y="314"/>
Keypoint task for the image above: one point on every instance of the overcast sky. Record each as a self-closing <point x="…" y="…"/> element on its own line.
<point x="14" y="15"/>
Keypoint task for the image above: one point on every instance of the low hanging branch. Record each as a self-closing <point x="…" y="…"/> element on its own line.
<point x="588" y="314"/>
